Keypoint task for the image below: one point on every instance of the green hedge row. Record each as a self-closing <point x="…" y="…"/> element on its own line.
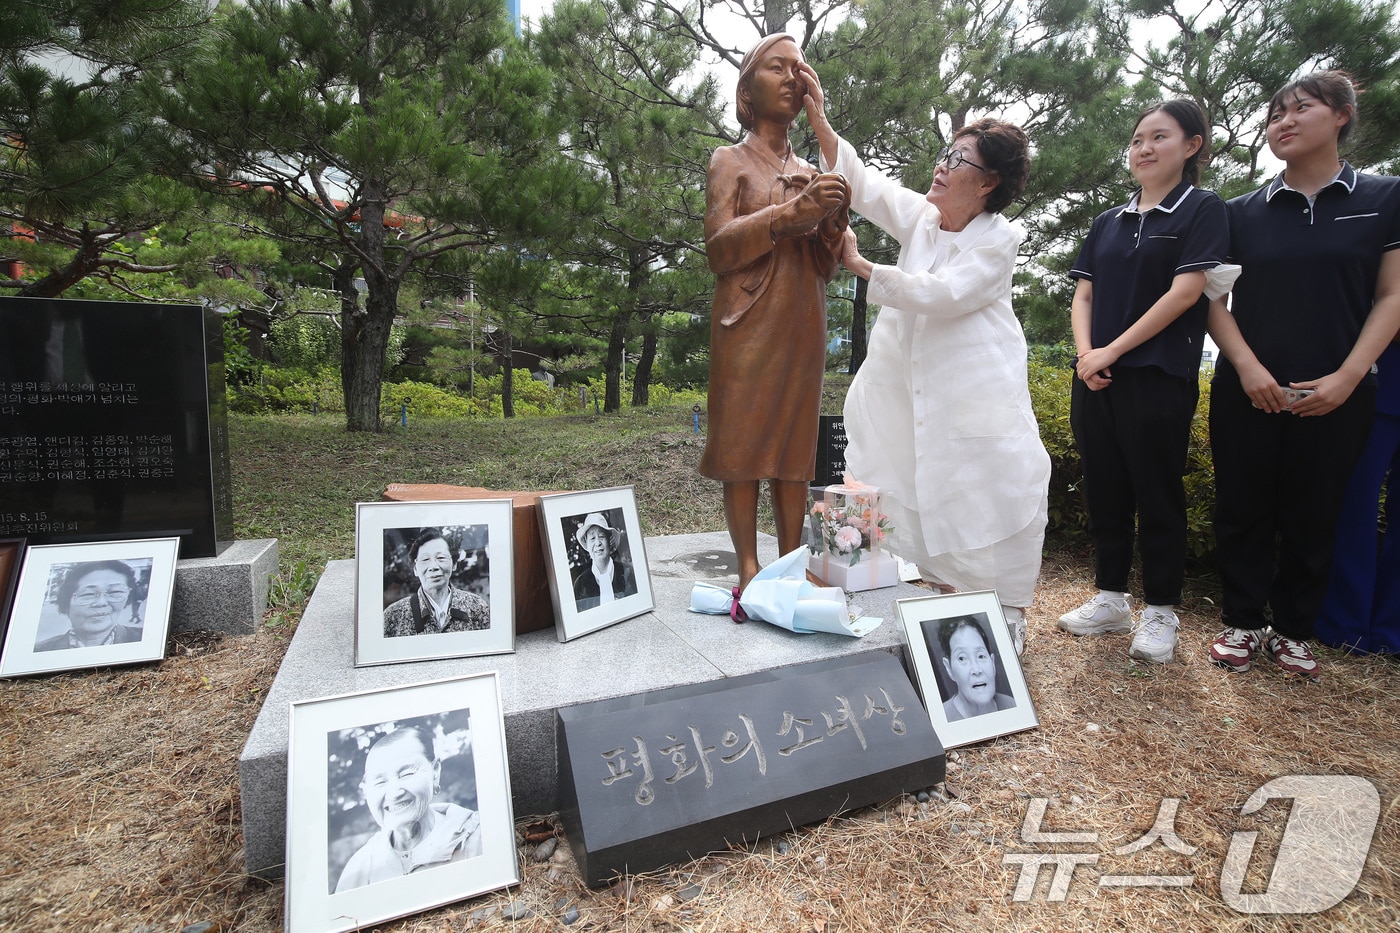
<point x="298" y="390"/>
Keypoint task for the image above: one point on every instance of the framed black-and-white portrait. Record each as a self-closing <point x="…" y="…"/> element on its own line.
<point x="433" y="580"/>
<point x="11" y="555"/>
<point x="596" y="561"/>
<point x="90" y="605"/>
<point x="966" y="666"/>
<point x="398" y="801"/>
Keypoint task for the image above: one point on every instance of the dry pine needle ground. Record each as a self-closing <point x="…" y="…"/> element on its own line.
<point x="122" y="810"/>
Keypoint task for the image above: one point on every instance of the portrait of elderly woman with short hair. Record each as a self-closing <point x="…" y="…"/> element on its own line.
<point x="402" y="779"/>
<point x="435" y="605"/>
<point x="99" y="599"/>
<point x="970" y="682"/>
<point x="604" y="571"/>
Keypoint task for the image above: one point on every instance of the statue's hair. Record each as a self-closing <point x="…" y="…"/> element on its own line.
<point x="743" y="112"/>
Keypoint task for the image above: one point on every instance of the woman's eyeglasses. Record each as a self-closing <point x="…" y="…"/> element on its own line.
<point x="112" y="595"/>
<point x="954" y="157"/>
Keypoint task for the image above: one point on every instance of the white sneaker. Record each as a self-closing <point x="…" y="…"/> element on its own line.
<point x="1154" y="635"/>
<point x="1016" y="625"/>
<point x="1099" y="616"/>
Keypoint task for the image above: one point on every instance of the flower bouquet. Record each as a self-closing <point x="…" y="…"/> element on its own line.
<point x="847" y="530"/>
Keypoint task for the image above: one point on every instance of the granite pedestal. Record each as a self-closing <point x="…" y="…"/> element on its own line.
<point x="227" y="593"/>
<point x="667" y="647"/>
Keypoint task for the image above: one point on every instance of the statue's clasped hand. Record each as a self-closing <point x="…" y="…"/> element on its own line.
<point x="822" y="197"/>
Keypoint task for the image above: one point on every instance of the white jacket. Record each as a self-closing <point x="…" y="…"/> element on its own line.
<point x="939" y="415"/>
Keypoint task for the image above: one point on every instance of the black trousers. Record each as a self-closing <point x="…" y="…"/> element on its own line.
<point x="1132" y="439"/>
<point x="1279" y="481"/>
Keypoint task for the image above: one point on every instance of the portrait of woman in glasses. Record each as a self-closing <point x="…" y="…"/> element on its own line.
<point x="101" y="600"/>
<point x="939" y="416"/>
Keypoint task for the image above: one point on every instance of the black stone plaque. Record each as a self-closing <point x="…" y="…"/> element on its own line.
<point x="831" y="450"/>
<point x="661" y="777"/>
<point x="113" y="423"/>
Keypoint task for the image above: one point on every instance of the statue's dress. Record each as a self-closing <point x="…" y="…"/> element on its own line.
<point x="768" y="324"/>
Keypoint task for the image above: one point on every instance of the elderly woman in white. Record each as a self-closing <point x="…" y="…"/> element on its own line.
<point x="939" y="416"/>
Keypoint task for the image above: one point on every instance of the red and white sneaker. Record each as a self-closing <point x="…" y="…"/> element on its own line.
<point x="1293" y="656"/>
<point x="1233" y="649"/>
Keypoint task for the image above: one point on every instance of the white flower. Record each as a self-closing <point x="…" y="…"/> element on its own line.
<point x="847" y="538"/>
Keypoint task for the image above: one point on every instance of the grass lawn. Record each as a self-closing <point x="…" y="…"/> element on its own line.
<point x="297" y="477"/>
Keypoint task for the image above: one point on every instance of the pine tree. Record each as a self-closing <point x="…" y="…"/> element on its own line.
<point x="81" y="159"/>
<point x="389" y="134"/>
<point x="643" y="134"/>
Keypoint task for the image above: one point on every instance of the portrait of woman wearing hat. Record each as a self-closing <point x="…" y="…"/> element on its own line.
<point x="603" y="570"/>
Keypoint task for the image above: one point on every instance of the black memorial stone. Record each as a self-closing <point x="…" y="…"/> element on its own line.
<point x="113" y="423"/>
<point x="831" y="450"/>
<point x="661" y="777"/>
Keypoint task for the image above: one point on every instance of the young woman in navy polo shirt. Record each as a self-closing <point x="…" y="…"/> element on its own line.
<point x="1317" y="301"/>
<point x="1139" y="317"/>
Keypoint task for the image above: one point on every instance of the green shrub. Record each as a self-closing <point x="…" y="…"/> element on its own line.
<point x="1050" y="395"/>
<point x="423" y="401"/>
<point x="532" y="397"/>
<point x="277" y="389"/>
<point x="665" y="395"/>
<point x="307" y="342"/>
<point x="239" y="365"/>
<point x="658" y="394"/>
<point x="296" y="390"/>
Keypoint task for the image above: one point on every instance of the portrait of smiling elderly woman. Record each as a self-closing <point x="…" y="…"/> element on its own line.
<point x="402" y="776"/>
<point x="970" y="662"/>
<point x="436" y="605"/>
<point x="97" y="597"/>
<point x="608" y="575"/>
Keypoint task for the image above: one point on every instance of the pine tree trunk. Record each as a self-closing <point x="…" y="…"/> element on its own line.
<point x="612" y="365"/>
<point x="641" y="382"/>
<point x="507" y="374"/>
<point x="362" y="358"/>
<point x="363" y="342"/>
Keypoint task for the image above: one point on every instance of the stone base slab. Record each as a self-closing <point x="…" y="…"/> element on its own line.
<point x="667" y="647"/>
<point x="227" y="593"/>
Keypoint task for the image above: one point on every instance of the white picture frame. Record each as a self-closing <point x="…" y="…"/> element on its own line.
<point x="473" y="541"/>
<point x="565" y="520"/>
<point x="354" y="769"/>
<point x="964" y="625"/>
<point x="66" y="616"/>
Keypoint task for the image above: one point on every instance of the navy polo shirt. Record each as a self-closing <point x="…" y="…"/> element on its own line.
<point x="1132" y="256"/>
<point x="1308" y="271"/>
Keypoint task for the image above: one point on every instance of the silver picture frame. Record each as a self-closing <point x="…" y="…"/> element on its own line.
<point x="965" y="666"/>
<point x="95" y="604"/>
<point x="572" y="522"/>
<point x="395" y="547"/>
<point x="425" y="761"/>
